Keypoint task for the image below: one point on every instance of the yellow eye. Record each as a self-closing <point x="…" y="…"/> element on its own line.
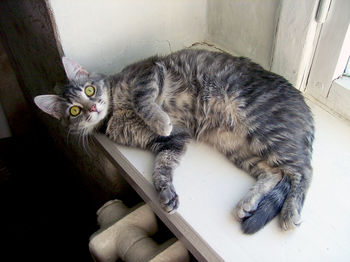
<point x="89" y="90"/>
<point x="75" y="110"/>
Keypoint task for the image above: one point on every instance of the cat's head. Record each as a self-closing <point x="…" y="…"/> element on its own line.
<point x="84" y="101"/>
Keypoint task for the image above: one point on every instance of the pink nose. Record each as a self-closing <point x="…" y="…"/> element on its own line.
<point x="93" y="108"/>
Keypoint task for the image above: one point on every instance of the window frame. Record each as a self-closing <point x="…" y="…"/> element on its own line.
<point x="308" y="50"/>
<point x="326" y="82"/>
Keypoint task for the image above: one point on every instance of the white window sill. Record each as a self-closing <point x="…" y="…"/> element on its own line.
<point x="209" y="186"/>
<point x="338" y="98"/>
<point x="344" y="82"/>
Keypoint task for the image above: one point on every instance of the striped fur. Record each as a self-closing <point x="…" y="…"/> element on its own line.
<point x="254" y="117"/>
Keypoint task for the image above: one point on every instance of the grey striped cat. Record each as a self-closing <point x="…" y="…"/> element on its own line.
<point x="254" y="117"/>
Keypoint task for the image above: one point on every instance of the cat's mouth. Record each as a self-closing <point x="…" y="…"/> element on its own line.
<point x="97" y="113"/>
<point x="96" y="108"/>
<point x="95" y="116"/>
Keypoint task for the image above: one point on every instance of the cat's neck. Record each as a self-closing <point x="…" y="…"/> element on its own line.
<point x="114" y="80"/>
<point x="102" y="125"/>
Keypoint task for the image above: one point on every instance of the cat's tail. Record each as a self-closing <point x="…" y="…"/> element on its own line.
<point x="268" y="208"/>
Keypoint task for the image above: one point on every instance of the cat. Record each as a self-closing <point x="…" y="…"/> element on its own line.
<point x="256" y="118"/>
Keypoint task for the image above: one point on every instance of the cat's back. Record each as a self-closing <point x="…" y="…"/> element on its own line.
<point x="216" y="73"/>
<point x="235" y="88"/>
<point x="192" y="80"/>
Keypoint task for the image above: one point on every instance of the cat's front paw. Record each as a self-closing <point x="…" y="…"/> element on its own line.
<point x="162" y="125"/>
<point x="168" y="198"/>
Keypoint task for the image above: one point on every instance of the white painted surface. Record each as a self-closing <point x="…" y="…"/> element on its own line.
<point x="209" y="187"/>
<point x="294" y="42"/>
<point x="244" y="27"/>
<point x="330" y="45"/>
<point x="339" y="97"/>
<point x="107" y="35"/>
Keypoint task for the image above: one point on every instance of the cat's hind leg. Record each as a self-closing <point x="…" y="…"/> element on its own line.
<point x="266" y="181"/>
<point x="267" y="178"/>
<point x="265" y="198"/>
<point x="300" y="182"/>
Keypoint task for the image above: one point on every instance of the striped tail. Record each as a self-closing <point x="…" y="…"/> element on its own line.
<point x="268" y="207"/>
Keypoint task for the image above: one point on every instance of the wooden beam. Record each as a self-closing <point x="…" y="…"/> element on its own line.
<point x="28" y="35"/>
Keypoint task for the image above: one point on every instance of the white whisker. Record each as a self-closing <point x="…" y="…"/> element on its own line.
<point x="68" y="133"/>
<point x="84" y="139"/>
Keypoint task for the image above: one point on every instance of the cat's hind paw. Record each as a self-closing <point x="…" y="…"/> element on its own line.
<point x="246" y="207"/>
<point x="290" y="218"/>
<point x="169" y="200"/>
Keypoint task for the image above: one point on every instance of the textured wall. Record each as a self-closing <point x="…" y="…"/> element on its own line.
<point x="294" y="40"/>
<point x="106" y="35"/>
<point x="243" y="27"/>
<point x="109" y="34"/>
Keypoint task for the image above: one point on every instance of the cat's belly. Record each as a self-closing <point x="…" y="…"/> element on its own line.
<point x="216" y="122"/>
<point x="226" y="140"/>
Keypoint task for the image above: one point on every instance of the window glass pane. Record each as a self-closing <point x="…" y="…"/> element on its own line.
<point x="347" y="68"/>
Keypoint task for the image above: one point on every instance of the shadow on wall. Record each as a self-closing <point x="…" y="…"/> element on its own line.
<point x="12" y="100"/>
<point x="19" y="119"/>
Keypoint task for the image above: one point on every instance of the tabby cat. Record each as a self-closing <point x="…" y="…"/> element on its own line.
<point x="258" y="120"/>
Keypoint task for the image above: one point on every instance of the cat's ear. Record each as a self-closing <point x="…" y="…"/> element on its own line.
<point x="74" y="71"/>
<point x="50" y="104"/>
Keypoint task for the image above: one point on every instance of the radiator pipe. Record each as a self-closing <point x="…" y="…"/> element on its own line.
<point x="126" y="234"/>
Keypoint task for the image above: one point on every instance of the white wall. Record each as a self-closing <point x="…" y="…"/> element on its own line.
<point x="294" y="40"/>
<point x="244" y="27"/>
<point x="106" y="35"/>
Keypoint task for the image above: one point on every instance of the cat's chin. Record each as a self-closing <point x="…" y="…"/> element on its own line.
<point x="94" y="125"/>
<point x="98" y="116"/>
<point x="102" y="114"/>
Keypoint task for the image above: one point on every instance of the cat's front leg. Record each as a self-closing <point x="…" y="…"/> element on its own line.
<point x="154" y="117"/>
<point x="169" y="151"/>
<point x="144" y="94"/>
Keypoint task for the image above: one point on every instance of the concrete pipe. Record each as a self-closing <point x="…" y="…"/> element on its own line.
<point x="117" y="241"/>
<point x="126" y="234"/>
<point x="111" y="212"/>
<point x="175" y="252"/>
